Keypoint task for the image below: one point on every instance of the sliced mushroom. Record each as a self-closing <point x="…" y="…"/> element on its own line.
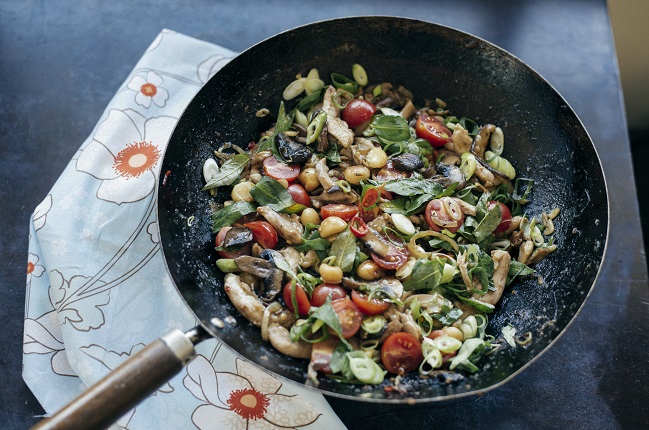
<point x="407" y="162"/>
<point x="481" y="140"/>
<point x="280" y="338"/>
<point x="238" y="238"/>
<point x="256" y="266"/>
<point x="291" y="151"/>
<point x="334" y="197"/>
<point x="289" y="228"/>
<point x="273" y="284"/>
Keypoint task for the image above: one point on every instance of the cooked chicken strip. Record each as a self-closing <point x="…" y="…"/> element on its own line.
<point x="287" y="227"/>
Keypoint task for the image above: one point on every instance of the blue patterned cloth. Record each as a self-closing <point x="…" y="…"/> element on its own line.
<point x="97" y="287"/>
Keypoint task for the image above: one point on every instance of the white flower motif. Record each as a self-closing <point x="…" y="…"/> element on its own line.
<point x="40" y="213"/>
<point x="248" y="399"/>
<point x="209" y="67"/>
<point x="124" y="154"/>
<point x="33" y="268"/>
<point x="148" y="90"/>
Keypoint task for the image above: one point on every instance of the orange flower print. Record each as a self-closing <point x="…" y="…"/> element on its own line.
<point x="125" y="154"/>
<point x="148" y="89"/>
<point x="248" y="399"/>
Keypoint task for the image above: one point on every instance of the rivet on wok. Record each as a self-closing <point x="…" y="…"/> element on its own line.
<point x="217" y="322"/>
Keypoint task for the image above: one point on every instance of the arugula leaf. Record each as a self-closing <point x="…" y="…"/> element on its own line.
<point x="269" y="192"/>
<point x="391" y="128"/>
<point x="311" y="240"/>
<point x="230" y="214"/>
<point x="328" y="315"/>
<point x="229" y="172"/>
<point x="344" y="250"/>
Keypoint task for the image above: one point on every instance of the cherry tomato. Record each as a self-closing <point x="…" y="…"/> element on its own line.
<point x="349" y="315"/>
<point x="357" y="112"/>
<point x="438" y="215"/>
<point x="322" y="291"/>
<point x="368" y="206"/>
<point x="506" y="216"/>
<point x="346" y="212"/>
<point x="434" y="131"/>
<point x="367" y="306"/>
<point x="263" y="233"/>
<point x="401" y="353"/>
<point x="303" y="304"/>
<point x="299" y="194"/>
<point x="278" y="170"/>
<point x="220" y="237"/>
<point x="358" y="226"/>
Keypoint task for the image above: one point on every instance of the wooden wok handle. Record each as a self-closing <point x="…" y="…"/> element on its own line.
<point x="121" y="390"/>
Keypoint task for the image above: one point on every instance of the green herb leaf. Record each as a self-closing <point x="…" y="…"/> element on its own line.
<point x="229" y="172"/>
<point x="269" y="192"/>
<point x="426" y="274"/>
<point x="480" y="306"/>
<point x="413" y="187"/>
<point x="488" y="224"/>
<point x="391" y="128"/>
<point x="230" y="214"/>
<point x="517" y="268"/>
<point x="344" y="249"/>
<point x="328" y="315"/>
<point x="281" y="263"/>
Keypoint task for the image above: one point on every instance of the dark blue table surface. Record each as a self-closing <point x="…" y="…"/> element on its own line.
<point x="61" y="62"/>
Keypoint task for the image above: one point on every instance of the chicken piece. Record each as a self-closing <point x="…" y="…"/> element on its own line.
<point x="336" y="127"/>
<point x="292" y="257"/>
<point x="322" y="171"/>
<point x="525" y="251"/>
<point x="243" y="298"/>
<point x="287" y="227"/>
<point x="461" y="140"/>
<point x="410" y="326"/>
<point x="280" y="338"/>
<point x="501" y="269"/>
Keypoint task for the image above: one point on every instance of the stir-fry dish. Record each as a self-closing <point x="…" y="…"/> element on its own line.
<point x="370" y="236"/>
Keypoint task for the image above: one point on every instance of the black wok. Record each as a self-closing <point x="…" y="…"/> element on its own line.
<point x="544" y="139"/>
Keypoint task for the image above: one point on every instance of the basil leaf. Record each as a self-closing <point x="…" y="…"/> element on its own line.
<point x="396" y="206"/>
<point x="449" y="317"/>
<point x="417" y="203"/>
<point x="517" y="268"/>
<point x="420" y="147"/>
<point x="269" y="192"/>
<point x="332" y="155"/>
<point x="230" y="214"/>
<point x="328" y="315"/>
<point x="281" y="263"/>
<point x="391" y="128"/>
<point x="426" y="274"/>
<point x="488" y="224"/>
<point x="413" y="187"/>
<point x="480" y="306"/>
<point x="340" y="362"/>
<point x="344" y="249"/>
<point x="229" y="172"/>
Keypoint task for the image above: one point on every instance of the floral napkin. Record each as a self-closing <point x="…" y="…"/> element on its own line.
<point x="97" y="287"/>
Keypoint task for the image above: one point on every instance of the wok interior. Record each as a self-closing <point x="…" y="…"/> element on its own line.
<point x="543" y="139"/>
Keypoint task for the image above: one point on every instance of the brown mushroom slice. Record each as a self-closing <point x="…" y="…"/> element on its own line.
<point x="481" y="140"/>
<point x="335" y="197"/>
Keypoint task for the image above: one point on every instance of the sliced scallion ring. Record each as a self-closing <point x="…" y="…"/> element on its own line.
<point x="359" y="74"/>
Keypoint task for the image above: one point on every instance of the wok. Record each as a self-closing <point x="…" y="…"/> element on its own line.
<point x="544" y="139"/>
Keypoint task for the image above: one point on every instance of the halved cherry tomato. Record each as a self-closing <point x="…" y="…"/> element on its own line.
<point x="506" y="216"/>
<point x="368" y="208"/>
<point x="444" y="213"/>
<point x="357" y="112"/>
<point x="349" y="315"/>
<point x="278" y="170"/>
<point x="434" y="131"/>
<point x="367" y="306"/>
<point x="346" y="212"/>
<point x="401" y="353"/>
<point x="358" y="226"/>
<point x="303" y="304"/>
<point x="322" y="291"/>
<point x="299" y="194"/>
<point x="263" y="233"/>
<point x="220" y="237"/>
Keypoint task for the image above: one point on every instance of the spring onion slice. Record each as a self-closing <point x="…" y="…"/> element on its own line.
<point x="364" y="368"/>
<point x="416" y="251"/>
<point x="373" y="324"/>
